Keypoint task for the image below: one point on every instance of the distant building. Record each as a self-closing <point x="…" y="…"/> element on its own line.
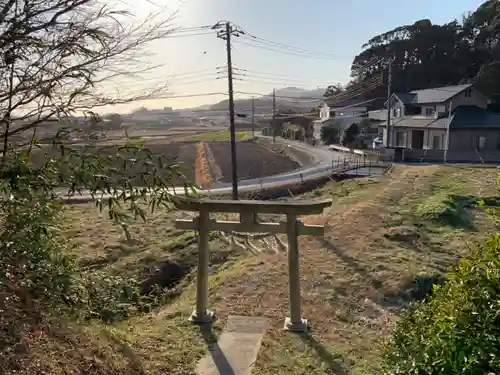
<point x="162" y="116"/>
<point x="340" y="113"/>
<point x="346" y="108"/>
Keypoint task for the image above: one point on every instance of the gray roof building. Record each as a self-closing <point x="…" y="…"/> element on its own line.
<point x="463" y="117"/>
<point x="433" y="95"/>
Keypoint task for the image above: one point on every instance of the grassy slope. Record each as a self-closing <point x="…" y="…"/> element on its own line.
<point x="378" y="247"/>
<point x="382" y="235"/>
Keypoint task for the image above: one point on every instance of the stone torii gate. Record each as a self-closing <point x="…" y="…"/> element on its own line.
<point x="249" y="223"/>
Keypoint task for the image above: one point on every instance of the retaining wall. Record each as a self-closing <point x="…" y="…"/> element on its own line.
<point x="453" y="156"/>
<point x="301" y="157"/>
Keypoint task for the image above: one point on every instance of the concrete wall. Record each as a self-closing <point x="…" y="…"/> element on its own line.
<point x="429" y="135"/>
<point x="477" y="99"/>
<point x="380" y="114"/>
<point x="457" y="156"/>
<point x="467" y="140"/>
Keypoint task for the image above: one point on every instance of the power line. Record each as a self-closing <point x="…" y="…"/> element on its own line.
<point x="288" y="47"/>
<point x="193" y="95"/>
<point x="284" y="51"/>
<point x="358" y="93"/>
<point x="360" y="103"/>
<point x="264" y="73"/>
<point x="179" y="78"/>
<point x="182" y="35"/>
<point x="370" y="64"/>
<point x="276" y="82"/>
<point x="212" y="79"/>
<point x="214" y="69"/>
<point x="358" y="88"/>
<point x="193" y="28"/>
<point x="226" y="111"/>
<point x="278" y="96"/>
<point x="281" y="80"/>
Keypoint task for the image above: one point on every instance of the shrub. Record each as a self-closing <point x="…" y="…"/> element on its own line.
<point x="38" y="277"/>
<point x="350" y="135"/>
<point x="330" y="134"/>
<point x="457" y="330"/>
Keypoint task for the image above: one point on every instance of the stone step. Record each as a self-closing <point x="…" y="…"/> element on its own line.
<point x="237" y="348"/>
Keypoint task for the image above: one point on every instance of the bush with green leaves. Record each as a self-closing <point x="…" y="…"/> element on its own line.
<point x="37" y="273"/>
<point x="457" y="330"/>
<point x="330" y="134"/>
<point x="350" y="135"/>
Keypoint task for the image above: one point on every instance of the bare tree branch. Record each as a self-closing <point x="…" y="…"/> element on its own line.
<point x="58" y="54"/>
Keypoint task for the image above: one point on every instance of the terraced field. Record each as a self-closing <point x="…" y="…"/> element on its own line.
<point x="254" y="160"/>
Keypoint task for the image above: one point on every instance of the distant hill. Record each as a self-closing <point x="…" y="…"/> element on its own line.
<point x="296" y="92"/>
<point x="284" y="101"/>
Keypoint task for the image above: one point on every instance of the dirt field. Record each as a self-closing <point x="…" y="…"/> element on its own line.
<point x="253" y="160"/>
<point x="185" y="153"/>
<point x="181" y="153"/>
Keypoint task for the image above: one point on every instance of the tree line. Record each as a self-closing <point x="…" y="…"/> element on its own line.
<point x="427" y="55"/>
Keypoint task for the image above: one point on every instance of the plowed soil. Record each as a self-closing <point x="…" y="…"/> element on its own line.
<point x="253" y="160"/>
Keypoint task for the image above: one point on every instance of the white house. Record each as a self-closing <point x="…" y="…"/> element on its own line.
<point x="345" y="108"/>
<point x="341" y="113"/>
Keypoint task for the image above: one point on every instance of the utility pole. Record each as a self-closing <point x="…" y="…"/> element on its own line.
<point x="447" y="140"/>
<point x="274" y="115"/>
<point x="389" y="94"/>
<point x="253" y="117"/>
<point x="225" y="32"/>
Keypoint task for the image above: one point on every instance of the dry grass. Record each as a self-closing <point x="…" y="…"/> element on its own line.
<point x="383" y="235"/>
<point x="213" y="136"/>
<point x="202" y="172"/>
<point x="377" y="254"/>
<point x="157" y="343"/>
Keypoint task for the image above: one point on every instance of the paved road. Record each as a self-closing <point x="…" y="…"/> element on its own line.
<point x="324" y="161"/>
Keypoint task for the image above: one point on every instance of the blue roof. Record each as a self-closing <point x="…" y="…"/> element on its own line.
<point x="471" y="117"/>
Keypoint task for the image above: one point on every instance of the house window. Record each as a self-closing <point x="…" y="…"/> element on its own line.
<point x="468" y="93"/>
<point x="396" y="112"/>
<point x="401" y="138"/>
<point x="436" y="142"/>
<point x="429" y="111"/>
<point x="480" y="142"/>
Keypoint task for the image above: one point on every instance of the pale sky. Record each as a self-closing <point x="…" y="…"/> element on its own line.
<point x="334" y="29"/>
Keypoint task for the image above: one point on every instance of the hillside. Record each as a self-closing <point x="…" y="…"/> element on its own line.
<point x="387" y="239"/>
<point x="265" y="104"/>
